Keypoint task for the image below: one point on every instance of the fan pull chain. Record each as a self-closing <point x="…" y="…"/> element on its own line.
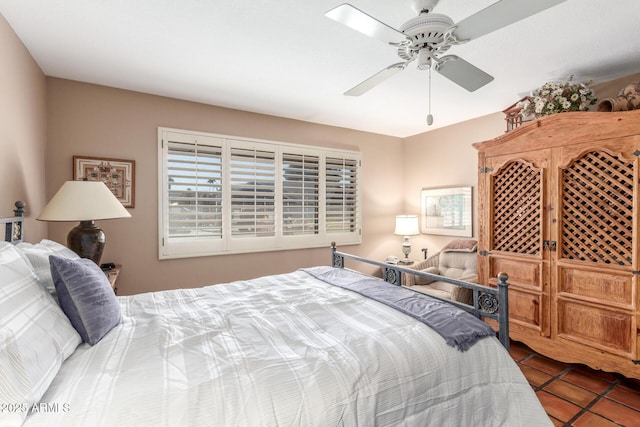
<point x="429" y="116"/>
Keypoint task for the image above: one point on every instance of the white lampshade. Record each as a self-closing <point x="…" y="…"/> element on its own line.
<point x="407" y="225"/>
<point x="83" y="201"/>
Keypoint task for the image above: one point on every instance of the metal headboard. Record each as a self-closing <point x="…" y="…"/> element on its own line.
<point x="14" y="225"/>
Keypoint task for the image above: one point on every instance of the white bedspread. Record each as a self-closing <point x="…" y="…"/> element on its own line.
<point x="284" y="350"/>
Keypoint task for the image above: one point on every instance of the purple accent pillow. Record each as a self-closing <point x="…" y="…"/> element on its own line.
<point x="85" y="296"/>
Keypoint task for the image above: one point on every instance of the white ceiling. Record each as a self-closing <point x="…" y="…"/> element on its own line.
<point x="285" y="58"/>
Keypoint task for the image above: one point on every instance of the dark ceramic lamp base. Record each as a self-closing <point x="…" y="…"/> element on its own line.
<point x="87" y="240"/>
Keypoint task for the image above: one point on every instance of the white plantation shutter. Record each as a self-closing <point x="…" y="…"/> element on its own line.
<point x="220" y="194"/>
<point x="300" y="193"/>
<point x="194" y="190"/>
<point x="252" y="176"/>
<point x="341" y="195"/>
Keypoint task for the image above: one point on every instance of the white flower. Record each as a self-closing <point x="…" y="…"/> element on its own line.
<point x="575" y="97"/>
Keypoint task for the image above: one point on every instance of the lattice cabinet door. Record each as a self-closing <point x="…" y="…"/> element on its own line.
<point x="513" y="234"/>
<point x="596" y="258"/>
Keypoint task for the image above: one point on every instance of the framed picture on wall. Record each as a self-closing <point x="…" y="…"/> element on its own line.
<point x="446" y="211"/>
<point x="117" y="174"/>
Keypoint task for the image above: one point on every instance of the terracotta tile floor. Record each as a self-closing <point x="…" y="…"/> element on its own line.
<point x="574" y="395"/>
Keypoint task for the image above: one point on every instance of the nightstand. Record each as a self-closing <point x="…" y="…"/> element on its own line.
<point x="399" y="264"/>
<point x="112" y="275"/>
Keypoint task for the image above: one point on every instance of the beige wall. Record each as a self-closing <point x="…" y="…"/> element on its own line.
<point x="23" y="130"/>
<point x="97" y="121"/>
<point x="442" y="158"/>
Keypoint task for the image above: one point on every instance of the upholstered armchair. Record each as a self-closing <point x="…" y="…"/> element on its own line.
<point x="457" y="260"/>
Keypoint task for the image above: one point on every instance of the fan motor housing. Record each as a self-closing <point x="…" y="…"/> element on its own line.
<point x="426" y="30"/>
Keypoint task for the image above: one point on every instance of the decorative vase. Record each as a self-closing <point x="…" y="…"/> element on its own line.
<point x="628" y="99"/>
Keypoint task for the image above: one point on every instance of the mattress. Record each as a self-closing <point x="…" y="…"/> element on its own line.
<point x="283" y="350"/>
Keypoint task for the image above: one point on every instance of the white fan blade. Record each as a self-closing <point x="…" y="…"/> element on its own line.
<point x="498" y="15"/>
<point x="356" y="19"/>
<point x="376" y="79"/>
<point x="462" y="72"/>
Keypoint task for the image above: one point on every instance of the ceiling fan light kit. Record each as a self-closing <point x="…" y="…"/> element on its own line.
<point x="428" y="36"/>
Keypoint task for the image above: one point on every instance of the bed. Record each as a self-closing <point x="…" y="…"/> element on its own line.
<point x="321" y="346"/>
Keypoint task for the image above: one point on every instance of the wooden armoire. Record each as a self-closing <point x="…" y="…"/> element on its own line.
<point x="558" y="206"/>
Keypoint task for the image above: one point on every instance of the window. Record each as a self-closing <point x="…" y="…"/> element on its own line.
<point x="300" y="194"/>
<point x="222" y="194"/>
<point x="252" y="175"/>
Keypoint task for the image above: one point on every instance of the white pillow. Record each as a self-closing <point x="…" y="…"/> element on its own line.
<point x="35" y="337"/>
<point x="38" y="256"/>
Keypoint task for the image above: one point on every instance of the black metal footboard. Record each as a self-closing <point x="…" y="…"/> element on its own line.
<point x="488" y="302"/>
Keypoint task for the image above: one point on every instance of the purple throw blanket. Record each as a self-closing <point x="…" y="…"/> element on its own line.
<point x="459" y="328"/>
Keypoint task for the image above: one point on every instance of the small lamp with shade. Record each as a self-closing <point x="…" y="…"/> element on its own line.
<point x="406" y="225"/>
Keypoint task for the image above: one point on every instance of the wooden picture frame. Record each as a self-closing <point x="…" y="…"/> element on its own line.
<point x="117" y="174"/>
<point x="447" y="211"/>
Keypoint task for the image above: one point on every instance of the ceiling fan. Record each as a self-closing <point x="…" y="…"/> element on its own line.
<point x="428" y="36"/>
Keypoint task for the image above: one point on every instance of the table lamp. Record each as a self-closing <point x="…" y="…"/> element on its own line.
<point x="406" y="225"/>
<point x="84" y="201"/>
